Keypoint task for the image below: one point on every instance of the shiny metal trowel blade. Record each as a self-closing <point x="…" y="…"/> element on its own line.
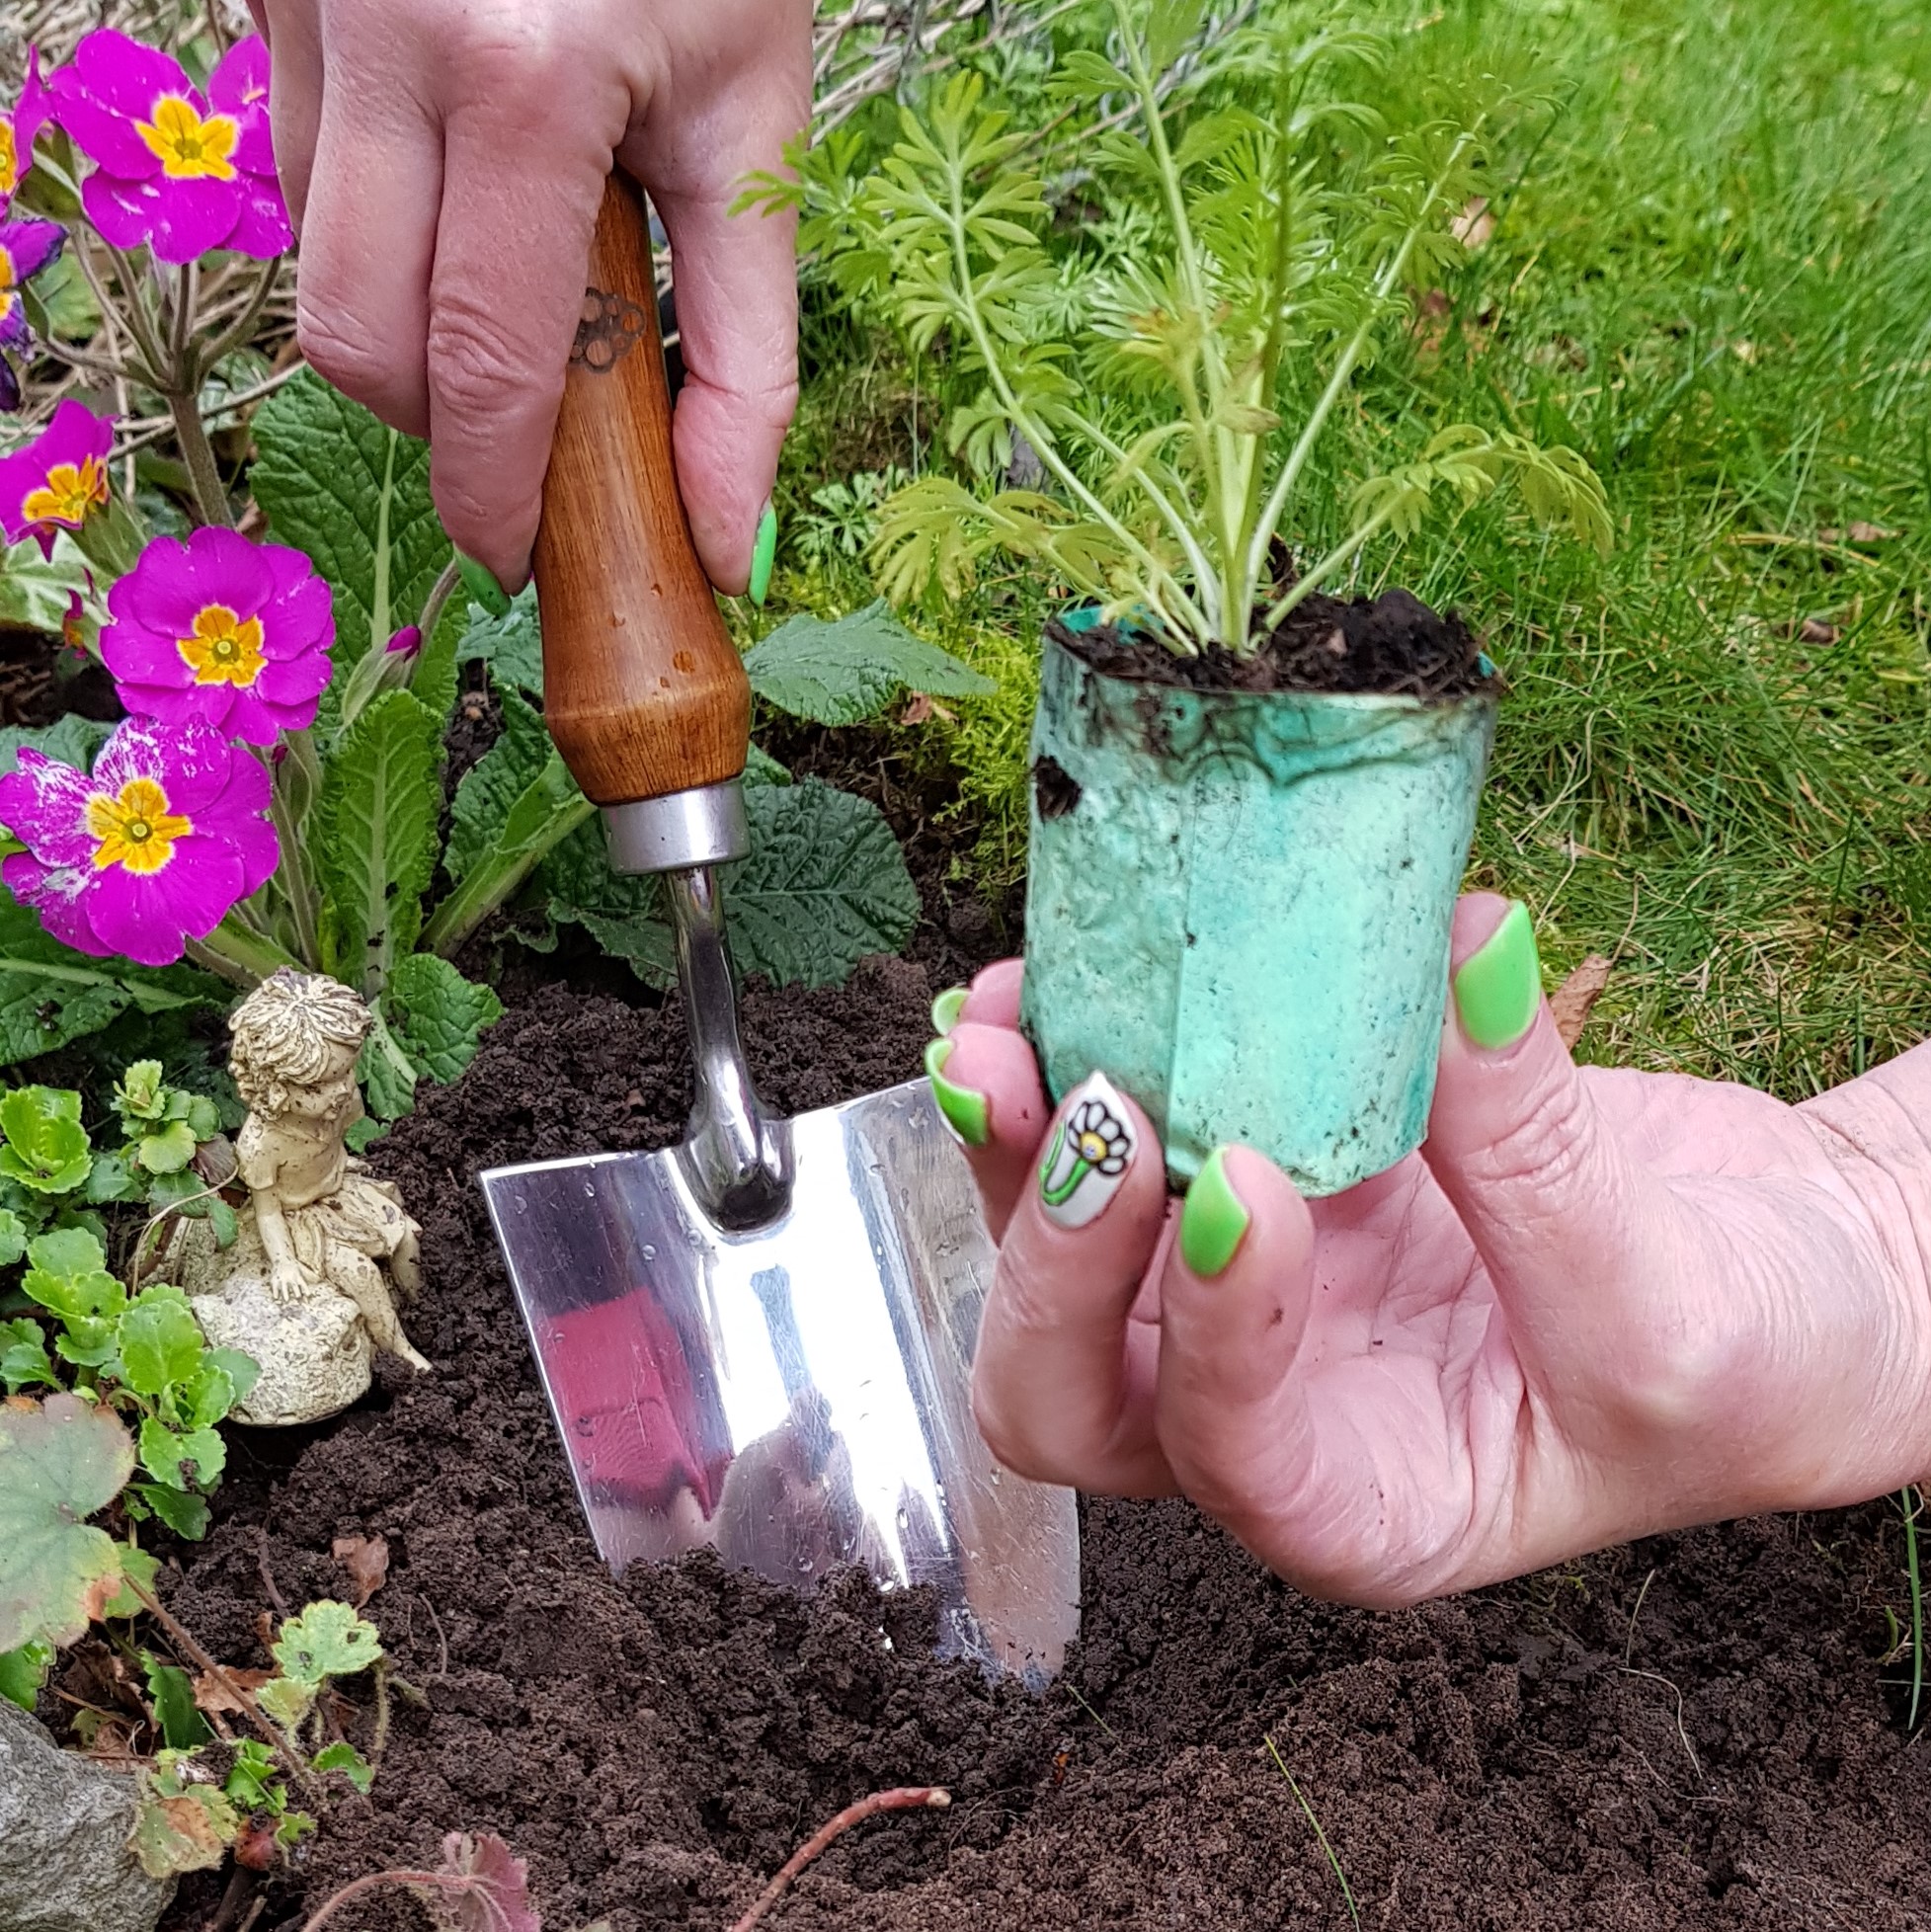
<point x="799" y="1397"/>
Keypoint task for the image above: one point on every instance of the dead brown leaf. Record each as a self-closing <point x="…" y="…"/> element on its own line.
<point x="214" y="1696"/>
<point x="1858" y="534"/>
<point x="1475" y="225"/>
<point x="922" y="708"/>
<point x="367" y="1560"/>
<point x="1571" y="1001"/>
<point x="1814" y="630"/>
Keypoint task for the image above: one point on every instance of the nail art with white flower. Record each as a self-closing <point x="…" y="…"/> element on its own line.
<point x="1087" y="1158"/>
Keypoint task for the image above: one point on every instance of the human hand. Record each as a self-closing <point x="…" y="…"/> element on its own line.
<point x="443" y="162"/>
<point x="1596" y="1305"/>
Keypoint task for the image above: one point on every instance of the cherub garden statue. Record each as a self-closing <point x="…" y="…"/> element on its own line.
<point x="302" y="1288"/>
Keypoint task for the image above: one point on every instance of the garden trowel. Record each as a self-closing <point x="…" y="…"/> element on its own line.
<point x="759" y="1342"/>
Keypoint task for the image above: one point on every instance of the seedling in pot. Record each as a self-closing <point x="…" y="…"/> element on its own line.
<point x="1242" y="873"/>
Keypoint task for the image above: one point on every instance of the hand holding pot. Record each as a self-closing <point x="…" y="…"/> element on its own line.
<point x="1597" y="1304"/>
<point x="443" y="162"/>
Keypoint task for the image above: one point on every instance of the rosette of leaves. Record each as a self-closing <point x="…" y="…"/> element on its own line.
<point x="1174" y="398"/>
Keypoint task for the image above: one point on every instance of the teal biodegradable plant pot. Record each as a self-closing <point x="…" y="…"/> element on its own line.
<point x="1238" y="908"/>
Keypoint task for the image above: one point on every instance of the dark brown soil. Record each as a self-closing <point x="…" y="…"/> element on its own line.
<point x="1693" y="1733"/>
<point x="1392" y="645"/>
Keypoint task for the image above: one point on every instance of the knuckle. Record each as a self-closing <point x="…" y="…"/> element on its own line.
<point x="477" y="365"/>
<point x="1010" y="1441"/>
<point x="1673" y="1379"/>
<point x="1553" y="1146"/>
<point x="335" y="343"/>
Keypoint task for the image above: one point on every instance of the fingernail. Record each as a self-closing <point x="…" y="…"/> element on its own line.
<point x="1213" y="1220"/>
<point x="947" y="1007"/>
<point x="1498" y="988"/>
<point x="1089" y="1157"/>
<point x="763" y="554"/>
<point x="482" y="587"/>
<point x="964" y="1109"/>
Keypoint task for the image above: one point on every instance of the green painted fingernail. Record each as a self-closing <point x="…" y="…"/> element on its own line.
<point x="947" y="1007"/>
<point x="1498" y="988"/>
<point x="963" y="1110"/>
<point x="763" y="556"/>
<point x="1214" y="1221"/>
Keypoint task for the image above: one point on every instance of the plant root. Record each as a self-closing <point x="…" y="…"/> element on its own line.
<point x="906" y="1798"/>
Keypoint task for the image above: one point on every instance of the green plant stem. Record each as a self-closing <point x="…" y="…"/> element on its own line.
<point x="1337" y="559"/>
<point x="204" y="473"/>
<point x="292" y="874"/>
<point x="1307" y="1812"/>
<point x="1914" y="1502"/>
<point x="370" y="1881"/>
<point x="243" y="327"/>
<point x="1283" y="490"/>
<point x="488" y="888"/>
<point x="240" y="954"/>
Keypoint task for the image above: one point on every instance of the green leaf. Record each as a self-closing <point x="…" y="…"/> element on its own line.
<point x="436" y="1015"/>
<point x="354" y="495"/>
<point x="251" y="1780"/>
<point x="137" y="1568"/>
<point x="244" y="1371"/>
<point x="160" y="1344"/>
<point x="47" y="1147"/>
<point x="386" y="1071"/>
<point x="185" y="1513"/>
<point x="186" y="1461"/>
<point x="13" y="1238"/>
<point x="490" y="789"/>
<point x="67" y="1251"/>
<point x="139" y="1094"/>
<point x="377" y="836"/>
<point x="182" y="1725"/>
<point x="294" y="1828"/>
<point x="71" y="740"/>
<point x="511" y="645"/>
<point x="69" y="1278"/>
<point x="112" y="1179"/>
<point x="169" y="1150"/>
<point x="825" y="884"/>
<point x="206" y="1397"/>
<point x="1170" y="25"/>
<point x="344" y="1757"/>
<point x="761" y="768"/>
<point x="327" y="1639"/>
<point x="286" y="1701"/>
<point x="60" y="1461"/>
<point x="851" y="668"/>
<point x="23" y="1671"/>
<point x="23" y="1359"/>
<point x="50" y="995"/>
<point x="34" y="592"/>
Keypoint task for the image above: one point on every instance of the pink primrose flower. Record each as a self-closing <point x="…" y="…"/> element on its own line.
<point x="20" y="124"/>
<point x="149" y="852"/>
<point x="182" y="171"/>
<point x="25" y="248"/>
<point x="218" y="629"/>
<point x="57" y="481"/>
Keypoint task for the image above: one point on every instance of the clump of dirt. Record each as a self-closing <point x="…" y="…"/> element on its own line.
<point x="1390" y="646"/>
<point x="1691" y="1733"/>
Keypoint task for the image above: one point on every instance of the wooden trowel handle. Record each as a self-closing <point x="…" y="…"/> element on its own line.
<point x="643" y="689"/>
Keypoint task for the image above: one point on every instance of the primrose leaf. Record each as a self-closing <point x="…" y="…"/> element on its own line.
<point x="824" y="885"/>
<point x="47" y="1147"/>
<point x="512" y="645"/>
<point x="436" y="1014"/>
<point x="183" y="1727"/>
<point x="377" y="836"/>
<point x="34" y="590"/>
<point x="492" y="786"/>
<point x="354" y="495"/>
<point x="24" y="1356"/>
<point x="327" y="1639"/>
<point x="60" y="1461"/>
<point x="344" y="1757"/>
<point x="23" y="1671"/>
<point x="50" y="995"/>
<point x="851" y="668"/>
<point x="183" y="1460"/>
<point x="160" y="1344"/>
<point x="71" y="740"/>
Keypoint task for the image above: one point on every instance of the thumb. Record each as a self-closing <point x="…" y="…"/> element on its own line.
<point x="1573" y="1231"/>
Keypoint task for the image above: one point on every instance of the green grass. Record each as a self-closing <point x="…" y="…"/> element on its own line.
<point x="1711" y="272"/>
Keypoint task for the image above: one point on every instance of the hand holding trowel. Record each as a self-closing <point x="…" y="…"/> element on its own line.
<point x="759" y="1342"/>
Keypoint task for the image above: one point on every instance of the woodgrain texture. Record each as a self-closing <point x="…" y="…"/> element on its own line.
<point x="643" y="689"/>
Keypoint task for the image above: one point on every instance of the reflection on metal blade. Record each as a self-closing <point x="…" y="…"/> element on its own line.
<point x="796" y="1397"/>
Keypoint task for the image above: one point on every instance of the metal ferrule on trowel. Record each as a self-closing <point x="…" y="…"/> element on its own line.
<point x="759" y="1344"/>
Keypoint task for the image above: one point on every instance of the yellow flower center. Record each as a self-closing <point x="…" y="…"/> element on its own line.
<point x="1092" y="1149"/>
<point x="222" y="650"/>
<point x="188" y="147"/>
<point x="7" y="283"/>
<point x="135" y="830"/>
<point x="9" y="157"/>
<point x="67" y="494"/>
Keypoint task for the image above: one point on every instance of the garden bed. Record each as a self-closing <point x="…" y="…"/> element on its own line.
<point x="1693" y="1731"/>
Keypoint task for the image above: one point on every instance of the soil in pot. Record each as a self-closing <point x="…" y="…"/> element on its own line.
<point x="1692" y="1732"/>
